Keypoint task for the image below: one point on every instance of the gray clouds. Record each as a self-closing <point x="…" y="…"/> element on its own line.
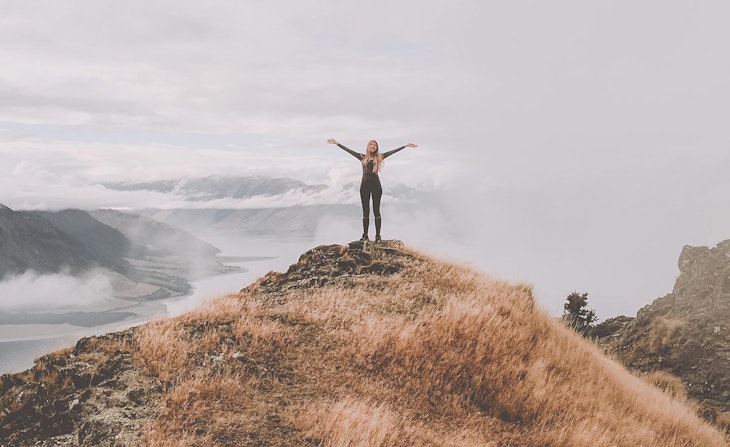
<point x="227" y="67"/>
<point x="547" y="126"/>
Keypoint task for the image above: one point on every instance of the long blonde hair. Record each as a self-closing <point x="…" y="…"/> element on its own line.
<point x="377" y="158"/>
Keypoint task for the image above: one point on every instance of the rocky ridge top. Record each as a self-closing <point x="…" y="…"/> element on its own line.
<point x="99" y="393"/>
<point x="335" y="264"/>
<point x="91" y="394"/>
<point x="269" y="365"/>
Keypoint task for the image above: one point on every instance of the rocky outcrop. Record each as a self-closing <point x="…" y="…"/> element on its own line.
<point x="686" y="332"/>
<point x="335" y="264"/>
<point x="91" y="394"/>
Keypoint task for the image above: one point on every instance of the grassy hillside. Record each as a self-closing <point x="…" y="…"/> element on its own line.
<point x="391" y="348"/>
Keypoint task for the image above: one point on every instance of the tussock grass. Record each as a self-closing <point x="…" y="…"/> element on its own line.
<point x="162" y="349"/>
<point x="723" y="420"/>
<point x="669" y="383"/>
<point x="352" y="423"/>
<point x="434" y="355"/>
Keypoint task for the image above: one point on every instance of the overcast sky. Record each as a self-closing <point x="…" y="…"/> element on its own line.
<point x="578" y="145"/>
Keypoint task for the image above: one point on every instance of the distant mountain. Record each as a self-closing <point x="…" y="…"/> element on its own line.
<point x="156" y="237"/>
<point x="29" y="241"/>
<point x="294" y="221"/>
<point x="217" y="187"/>
<point x="685" y="333"/>
<point x="105" y="242"/>
<point x="153" y="260"/>
<point x="279" y="207"/>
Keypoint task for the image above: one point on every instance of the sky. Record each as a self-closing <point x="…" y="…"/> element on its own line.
<point x="576" y="145"/>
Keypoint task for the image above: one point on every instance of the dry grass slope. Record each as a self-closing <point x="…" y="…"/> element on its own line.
<point x="434" y="355"/>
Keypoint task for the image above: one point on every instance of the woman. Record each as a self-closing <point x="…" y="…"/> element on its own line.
<point x="372" y="162"/>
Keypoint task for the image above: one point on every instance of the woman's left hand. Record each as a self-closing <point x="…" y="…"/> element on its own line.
<point x="410" y="145"/>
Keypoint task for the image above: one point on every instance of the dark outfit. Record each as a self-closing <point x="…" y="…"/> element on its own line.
<point x="370" y="186"/>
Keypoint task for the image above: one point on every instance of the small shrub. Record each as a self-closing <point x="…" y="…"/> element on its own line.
<point x="577" y="315"/>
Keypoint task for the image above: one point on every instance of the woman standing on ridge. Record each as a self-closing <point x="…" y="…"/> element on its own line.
<point x="372" y="162"/>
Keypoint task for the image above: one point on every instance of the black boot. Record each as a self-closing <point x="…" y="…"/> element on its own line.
<point x="378" y="223"/>
<point x="365" y="225"/>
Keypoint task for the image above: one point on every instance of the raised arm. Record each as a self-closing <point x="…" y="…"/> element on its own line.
<point x="346" y="149"/>
<point x="389" y="153"/>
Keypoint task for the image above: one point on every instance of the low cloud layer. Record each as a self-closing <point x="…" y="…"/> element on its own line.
<point x="33" y="292"/>
<point x="58" y="178"/>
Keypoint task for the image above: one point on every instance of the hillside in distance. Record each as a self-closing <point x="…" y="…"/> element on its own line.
<point x="142" y="259"/>
<point x="353" y="345"/>
<point x="157" y="238"/>
<point x="29" y="241"/>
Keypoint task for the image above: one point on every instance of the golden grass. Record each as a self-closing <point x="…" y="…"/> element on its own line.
<point x="435" y="355"/>
<point x="669" y="383"/>
<point x="162" y="349"/>
<point x="352" y="423"/>
<point x="723" y="420"/>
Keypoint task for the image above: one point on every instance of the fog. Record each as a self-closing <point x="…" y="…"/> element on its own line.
<point x="273" y="255"/>
<point x="33" y="292"/>
<point x="616" y="238"/>
<point x="550" y="242"/>
<point x="573" y="145"/>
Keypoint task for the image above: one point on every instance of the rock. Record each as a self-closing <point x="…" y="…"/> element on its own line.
<point x="336" y="264"/>
<point x="611" y="327"/>
<point x="686" y="332"/>
<point x="92" y="394"/>
<point x="99" y="433"/>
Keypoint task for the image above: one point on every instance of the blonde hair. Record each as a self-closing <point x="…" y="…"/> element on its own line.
<point x="377" y="158"/>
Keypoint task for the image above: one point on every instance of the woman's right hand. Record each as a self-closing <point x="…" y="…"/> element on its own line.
<point x="332" y="141"/>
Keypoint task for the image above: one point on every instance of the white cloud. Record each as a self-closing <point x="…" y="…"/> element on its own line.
<point x="602" y="110"/>
<point x="40" y="175"/>
<point x="53" y="292"/>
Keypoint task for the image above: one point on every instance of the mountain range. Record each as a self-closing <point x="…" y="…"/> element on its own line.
<point x="218" y="187"/>
<point x="29" y="241"/>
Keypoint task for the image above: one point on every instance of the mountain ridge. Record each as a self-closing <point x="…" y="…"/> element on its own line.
<point x="218" y="187"/>
<point x="156" y="261"/>
<point x="357" y="344"/>
<point x="31" y="242"/>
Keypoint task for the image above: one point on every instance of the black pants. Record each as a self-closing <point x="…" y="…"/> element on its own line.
<point x="370" y="187"/>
